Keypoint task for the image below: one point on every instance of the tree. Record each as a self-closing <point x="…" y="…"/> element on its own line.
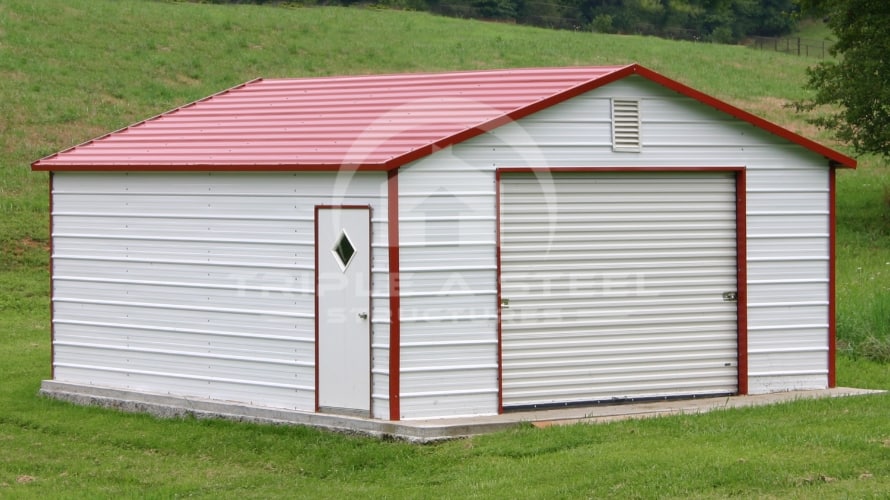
<point x="774" y="18"/>
<point x="857" y="82"/>
<point x="497" y="9"/>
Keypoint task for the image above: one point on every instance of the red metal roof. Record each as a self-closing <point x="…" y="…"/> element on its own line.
<point x="369" y="122"/>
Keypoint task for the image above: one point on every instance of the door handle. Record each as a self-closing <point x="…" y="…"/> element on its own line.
<point x="363" y="315"/>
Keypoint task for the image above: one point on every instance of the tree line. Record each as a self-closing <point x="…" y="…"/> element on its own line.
<point x="721" y="21"/>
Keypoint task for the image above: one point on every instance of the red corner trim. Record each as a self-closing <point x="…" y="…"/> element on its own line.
<point x="315" y="267"/>
<point x="832" y="278"/>
<point x="497" y="232"/>
<point x="394" y="297"/>
<point x="52" y="294"/>
<point x="741" y="226"/>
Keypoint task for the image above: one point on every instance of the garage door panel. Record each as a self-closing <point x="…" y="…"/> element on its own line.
<point x="563" y="376"/>
<point x="526" y="276"/>
<point x="613" y="283"/>
<point x="575" y="264"/>
<point x="557" y="322"/>
<point x="561" y="332"/>
<point x="621" y="355"/>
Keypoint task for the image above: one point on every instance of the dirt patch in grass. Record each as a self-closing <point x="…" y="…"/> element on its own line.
<point x="23" y="252"/>
<point x="28" y="242"/>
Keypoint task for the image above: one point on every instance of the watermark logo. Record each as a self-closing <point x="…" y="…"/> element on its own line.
<point x="449" y="221"/>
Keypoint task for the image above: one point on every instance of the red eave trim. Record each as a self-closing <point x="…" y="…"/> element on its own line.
<point x="308" y="167"/>
<point x="842" y="160"/>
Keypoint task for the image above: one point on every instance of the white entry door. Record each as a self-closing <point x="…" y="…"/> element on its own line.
<point x="343" y="342"/>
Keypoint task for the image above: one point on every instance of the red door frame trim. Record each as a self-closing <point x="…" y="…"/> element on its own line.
<point x="395" y="301"/>
<point x="741" y="229"/>
<point x="741" y="254"/>
<point x="318" y="208"/>
<point x="832" y="276"/>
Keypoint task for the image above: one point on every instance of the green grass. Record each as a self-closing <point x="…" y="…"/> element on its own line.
<point x="806" y="449"/>
<point x="863" y="289"/>
<point x="73" y="69"/>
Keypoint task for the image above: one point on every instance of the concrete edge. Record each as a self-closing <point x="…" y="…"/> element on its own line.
<point x="166" y="406"/>
<point x="416" y="431"/>
<point x="696" y="406"/>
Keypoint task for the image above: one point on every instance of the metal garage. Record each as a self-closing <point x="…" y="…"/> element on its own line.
<point x="404" y="247"/>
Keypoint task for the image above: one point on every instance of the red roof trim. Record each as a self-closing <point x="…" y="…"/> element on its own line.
<point x="205" y="167"/>
<point x="835" y="156"/>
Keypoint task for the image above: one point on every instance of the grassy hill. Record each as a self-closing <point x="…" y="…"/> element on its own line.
<point x="71" y="70"/>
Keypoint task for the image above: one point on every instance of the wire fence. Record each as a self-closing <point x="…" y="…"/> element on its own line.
<point x="794" y="45"/>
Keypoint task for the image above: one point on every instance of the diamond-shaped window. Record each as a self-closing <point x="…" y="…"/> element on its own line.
<point x="343" y="250"/>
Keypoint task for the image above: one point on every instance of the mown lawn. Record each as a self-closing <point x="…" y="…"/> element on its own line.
<point x="73" y="69"/>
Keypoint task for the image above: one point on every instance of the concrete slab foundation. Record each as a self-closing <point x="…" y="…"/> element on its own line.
<point x="427" y="430"/>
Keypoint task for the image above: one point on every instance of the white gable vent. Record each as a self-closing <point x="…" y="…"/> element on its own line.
<point x="626" y="125"/>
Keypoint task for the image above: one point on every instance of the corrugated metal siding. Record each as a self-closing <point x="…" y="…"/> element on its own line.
<point x="615" y="283"/>
<point x="448" y="289"/>
<point x="676" y="132"/>
<point x="200" y="285"/>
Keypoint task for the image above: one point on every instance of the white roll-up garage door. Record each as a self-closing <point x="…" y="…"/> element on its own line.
<point x="617" y="285"/>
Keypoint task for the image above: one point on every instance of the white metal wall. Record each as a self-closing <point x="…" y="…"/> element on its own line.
<point x="446" y="367"/>
<point x="613" y="286"/>
<point x="201" y="284"/>
<point x="448" y="289"/>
